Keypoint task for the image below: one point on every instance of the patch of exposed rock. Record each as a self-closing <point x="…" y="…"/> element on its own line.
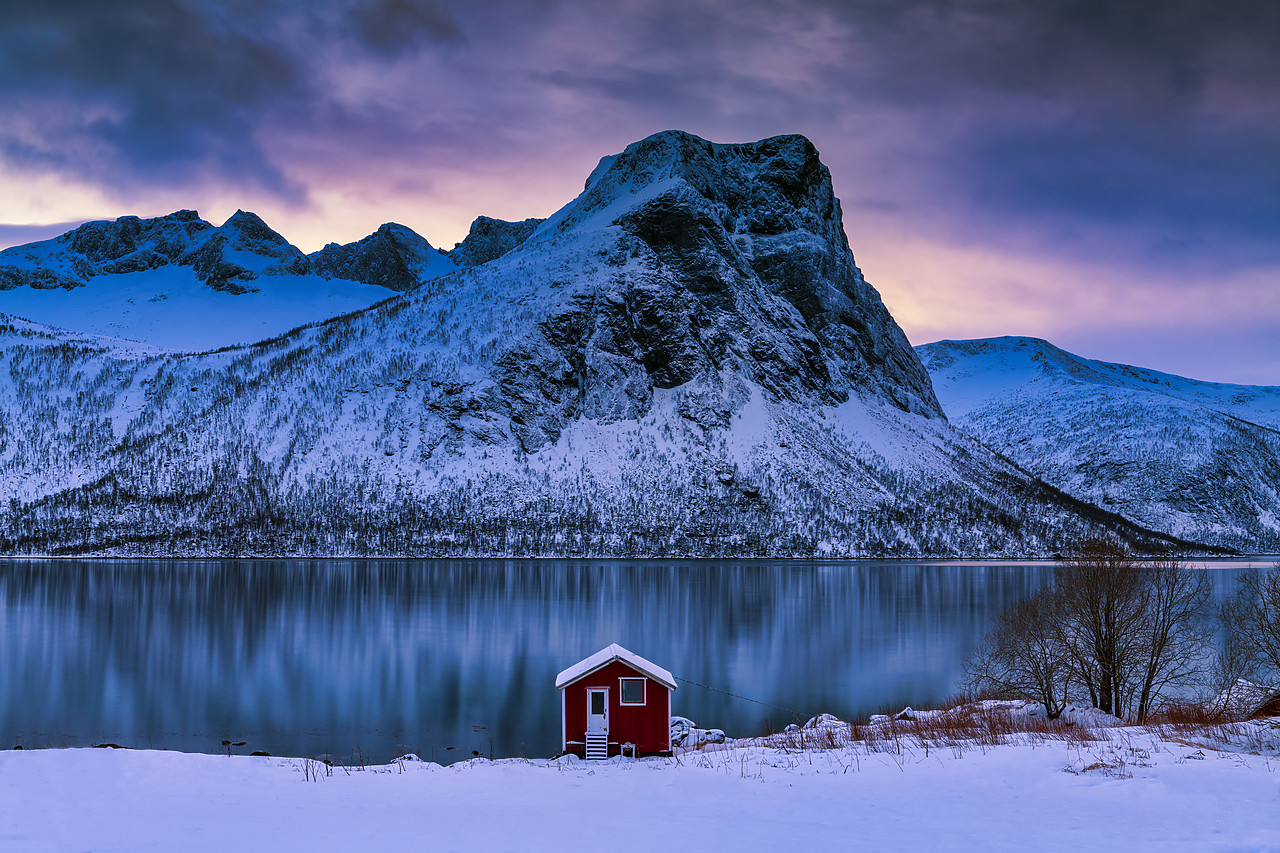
<point x="394" y="257"/>
<point x="124" y="245"/>
<point x="490" y="239"/>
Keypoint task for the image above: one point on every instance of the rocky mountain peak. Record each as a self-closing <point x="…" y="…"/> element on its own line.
<point x="236" y="252"/>
<point x="245" y="230"/>
<point x="103" y="247"/>
<point x="732" y="261"/>
<point x="395" y="256"/>
<point x="132" y="244"/>
<point x="396" y="231"/>
<point x="767" y="187"/>
<point x="489" y="239"/>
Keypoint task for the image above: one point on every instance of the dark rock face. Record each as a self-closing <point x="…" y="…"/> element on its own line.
<point x="12" y="275"/>
<point x="490" y="238"/>
<point x="724" y="260"/>
<point x="243" y="233"/>
<point x="128" y="244"/>
<point x="393" y="257"/>
<point x="131" y="244"/>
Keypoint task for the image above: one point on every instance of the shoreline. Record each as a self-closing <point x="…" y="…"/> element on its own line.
<point x="1132" y="787"/>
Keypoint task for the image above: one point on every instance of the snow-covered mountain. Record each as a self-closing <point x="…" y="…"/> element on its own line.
<point x="685" y="359"/>
<point x="1198" y="460"/>
<point x="176" y="281"/>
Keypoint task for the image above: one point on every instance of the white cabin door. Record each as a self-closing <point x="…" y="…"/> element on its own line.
<point x="597" y="710"/>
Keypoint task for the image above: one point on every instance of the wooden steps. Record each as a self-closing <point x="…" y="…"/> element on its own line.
<point x="597" y="747"/>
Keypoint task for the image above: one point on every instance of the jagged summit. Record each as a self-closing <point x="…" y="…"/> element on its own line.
<point x="178" y="281"/>
<point x="247" y="230"/>
<point x="130" y="243"/>
<point x="774" y="185"/>
<point x="167" y="280"/>
<point x="107" y="247"/>
<point x="395" y="257"/>
<point x="489" y="239"/>
<point x="737" y="259"/>
<point x="225" y="257"/>
<point x="237" y="252"/>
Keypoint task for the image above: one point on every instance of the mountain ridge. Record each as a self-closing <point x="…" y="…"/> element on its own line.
<point x="133" y="244"/>
<point x="1195" y="459"/>
<point x="179" y="282"/>
<point x="683" y="360"/>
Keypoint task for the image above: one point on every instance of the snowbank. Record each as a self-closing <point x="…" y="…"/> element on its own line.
<point x="1132" y="789"/>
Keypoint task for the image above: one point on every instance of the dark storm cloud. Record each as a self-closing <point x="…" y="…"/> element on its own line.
<point x="1070" y="107"/>
<point x="396" y="26"/>
<point x="1186" y="189"/>
<point x="1106" y="51"/>
<point x="137" y="91"/>
<point x="164" y="92"/>
<point x="1164" y="117"/>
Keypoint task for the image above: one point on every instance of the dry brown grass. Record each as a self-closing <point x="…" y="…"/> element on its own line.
<point x="958" y="727"/>
<point x="1197" y="724"/>
<point x="1190" y="714"/>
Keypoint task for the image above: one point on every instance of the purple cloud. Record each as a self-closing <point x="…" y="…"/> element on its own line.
<point x="1137" y="137"/>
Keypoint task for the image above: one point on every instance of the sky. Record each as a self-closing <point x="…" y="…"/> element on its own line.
<point x="1101" y="173"/>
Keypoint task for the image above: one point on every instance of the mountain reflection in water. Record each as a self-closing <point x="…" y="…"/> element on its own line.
<point x="304" y="657"/>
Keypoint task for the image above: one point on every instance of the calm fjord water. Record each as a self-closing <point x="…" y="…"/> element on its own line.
<point x="442" y="657"/>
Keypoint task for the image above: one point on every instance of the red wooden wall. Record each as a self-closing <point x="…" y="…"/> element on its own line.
<point x="648" y="726"/>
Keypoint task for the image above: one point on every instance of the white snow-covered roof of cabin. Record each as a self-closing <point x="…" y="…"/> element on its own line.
<point x="608" y="654"/>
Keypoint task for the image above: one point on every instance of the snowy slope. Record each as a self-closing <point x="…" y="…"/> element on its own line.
<point x="178" y="282"/>
<point x="169" y="307"/>
<point x="683" y="360"/>
<point x="1195" y="459"/>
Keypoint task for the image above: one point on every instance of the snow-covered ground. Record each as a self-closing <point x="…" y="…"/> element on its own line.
<point x="1130" y="790"/>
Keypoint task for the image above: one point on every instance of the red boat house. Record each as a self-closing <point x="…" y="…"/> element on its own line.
<point x="614" y="702"/>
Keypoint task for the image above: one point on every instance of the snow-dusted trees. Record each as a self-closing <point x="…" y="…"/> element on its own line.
<point x="1125" y="632"/>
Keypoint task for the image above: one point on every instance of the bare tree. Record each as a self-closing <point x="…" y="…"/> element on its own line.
<point x="1125" y="631"/>
<point x="1022" y="656"/>
<point x="1134" y="630"/>
<point x="1232" y="664"/>
<point x="1098" y="612"/>
<point x="1252" y="620"/>
<point x="1174" y="632"/>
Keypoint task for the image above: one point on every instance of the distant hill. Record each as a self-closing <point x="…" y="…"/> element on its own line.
<point x="1198" y="460"/>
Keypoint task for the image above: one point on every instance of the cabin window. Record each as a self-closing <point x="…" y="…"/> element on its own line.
<point x="632" y="691"/>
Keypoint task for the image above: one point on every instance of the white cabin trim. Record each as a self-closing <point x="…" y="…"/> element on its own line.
<point x="608" y="655"/>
